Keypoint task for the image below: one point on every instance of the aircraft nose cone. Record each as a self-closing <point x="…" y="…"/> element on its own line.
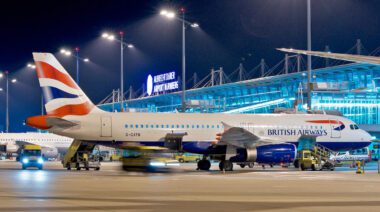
<point x="366" y="136"/>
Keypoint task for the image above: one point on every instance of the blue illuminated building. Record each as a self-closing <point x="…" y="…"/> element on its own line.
<point x="352" y="89"/>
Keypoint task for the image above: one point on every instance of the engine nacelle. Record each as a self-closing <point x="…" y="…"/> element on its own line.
<point x="49" y="152"/>
<point x="268" y="154"/>
<point x="9" y="148"/>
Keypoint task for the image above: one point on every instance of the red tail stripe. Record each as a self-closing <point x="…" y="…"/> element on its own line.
<point x="325" y="122"/>
<point x="80" y="109"/>
<point x="45" y="70"/>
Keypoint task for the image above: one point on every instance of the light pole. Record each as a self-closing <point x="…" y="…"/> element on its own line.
<point x="123" y="44"/>
<point x="309" y="87"/>
<point x="76" y="56"/>
<point x="14" y="80"/>
<point x="170" y="15"/>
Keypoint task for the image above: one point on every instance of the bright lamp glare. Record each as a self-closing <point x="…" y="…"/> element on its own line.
<point x="67" y="53"/>
<point x="86" y="60"/>
<point x="111" y="37"/>
<point x="105" y="35"/>
<point x="1" y="89"/>
<point x="157" y="163"/>
<point x="63" y="51"/>
<point x="14" y="80"/>
<point x="40" y="161"/>
<point x="170" y="15"/>
<point x="194" y="25"/>
<point x="31" y="66"/>
<point x="163" y="12"/>
<point x="130" y="46"/>
<point x="1" y="75"/>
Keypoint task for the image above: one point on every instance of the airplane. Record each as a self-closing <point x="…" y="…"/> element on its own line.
<point x="346" y="156"/>
<point x="229" y="138"/>
<point x="51" y="144"/>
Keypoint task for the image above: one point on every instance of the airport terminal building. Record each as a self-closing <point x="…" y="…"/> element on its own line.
<point x="353" y="89"/>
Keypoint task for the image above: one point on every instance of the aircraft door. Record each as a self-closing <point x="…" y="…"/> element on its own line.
<point x="106" y="126"/>
<point x="336" y="128"/>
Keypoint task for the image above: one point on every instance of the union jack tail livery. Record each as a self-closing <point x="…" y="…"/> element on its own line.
<point x="61" y="94"/>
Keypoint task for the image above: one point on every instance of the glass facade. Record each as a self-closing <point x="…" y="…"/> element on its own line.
<point x="353" y="89"/>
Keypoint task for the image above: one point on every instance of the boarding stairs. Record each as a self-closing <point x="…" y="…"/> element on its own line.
<point x="323" y="153"/>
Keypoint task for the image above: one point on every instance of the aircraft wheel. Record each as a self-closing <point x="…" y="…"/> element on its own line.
<point x="313" y="167"/>
<point x="242" y="166"/>
<point x="181" y="160"/>
<point x="296" y="164"/>
<point x="225" y="165"/>
<point x="204" y="165"/>
<point x="250" y="165"/>
<point x="302" y="167"/>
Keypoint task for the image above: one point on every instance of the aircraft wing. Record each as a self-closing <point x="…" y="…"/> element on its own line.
<point x="240" y="137"/>
<point x="32" y="143"/>
<point x="337" y="56"/>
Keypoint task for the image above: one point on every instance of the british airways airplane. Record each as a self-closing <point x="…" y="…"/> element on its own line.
<point x="230" y="138"/>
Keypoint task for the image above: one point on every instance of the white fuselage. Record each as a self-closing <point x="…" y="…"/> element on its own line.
<point x="153" y="127"/>
<point x="49" y="141"/>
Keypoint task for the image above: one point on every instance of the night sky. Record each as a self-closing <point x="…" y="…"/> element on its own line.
<point x="229" y="31"/>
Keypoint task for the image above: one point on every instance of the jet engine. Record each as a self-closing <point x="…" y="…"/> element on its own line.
<point x="268" y="154"/>
<point x="50" y="152"/>
<point x="9" y="148"/>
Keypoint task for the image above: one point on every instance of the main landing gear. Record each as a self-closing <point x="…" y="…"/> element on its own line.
<point x="204" y="165"/>
<point x="226" y="165"/>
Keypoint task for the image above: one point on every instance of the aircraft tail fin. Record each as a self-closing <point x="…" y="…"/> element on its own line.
<point x="61" y="93"/>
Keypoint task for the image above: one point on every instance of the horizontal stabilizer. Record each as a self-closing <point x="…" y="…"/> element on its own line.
<point x="59" y="122"/>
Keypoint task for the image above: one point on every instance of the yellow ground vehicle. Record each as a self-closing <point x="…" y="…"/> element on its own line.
<point x="149" y="159"/>
<point x="187" y="157"/>
<point x="115" y="157"/>
<point x="31" y="156"/>
<point x="307" y="159"/>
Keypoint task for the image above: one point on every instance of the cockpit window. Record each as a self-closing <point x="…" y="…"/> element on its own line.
<point x="354" y="127"/>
